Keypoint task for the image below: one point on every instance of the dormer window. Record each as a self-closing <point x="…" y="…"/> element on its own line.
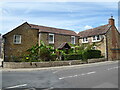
<point x="85" y="40"/>
<point x="96" y="38"/>
<point x="51" y="38"/>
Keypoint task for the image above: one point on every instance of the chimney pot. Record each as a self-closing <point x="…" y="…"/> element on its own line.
<point x="111" y="21"/>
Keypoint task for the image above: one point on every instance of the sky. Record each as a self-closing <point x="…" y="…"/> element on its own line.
<point x="76" y="16"/>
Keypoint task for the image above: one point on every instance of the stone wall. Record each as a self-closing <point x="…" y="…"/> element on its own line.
<point x="100" y="45"/>
<point x="113" y="42"/>
<point x="48" y="64"/>
<point x="29" y="37"/>
<point x="58" y="39"/>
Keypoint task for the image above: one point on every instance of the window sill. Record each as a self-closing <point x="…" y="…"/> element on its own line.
<point x="51" y="42"/>
<point x="17" y="43"/>
<point x="96" y="41"/>
<point x="84" y="42"/>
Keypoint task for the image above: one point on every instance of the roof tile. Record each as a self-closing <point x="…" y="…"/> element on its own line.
<point x="95" y="31"/>
<point x="53" y="30"/>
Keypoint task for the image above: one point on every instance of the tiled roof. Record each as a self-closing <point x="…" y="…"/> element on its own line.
<point x="53" y="30"/>
<point x="64" y="45"/>
<point x="95" y="31"/>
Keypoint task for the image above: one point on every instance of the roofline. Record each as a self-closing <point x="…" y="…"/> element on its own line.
<point x="52" y="27"/>
<point x="117" y="30"/>
<point x="108" y="29"/>
<point x="60" y="34"/>
<point x="14" y="29"/>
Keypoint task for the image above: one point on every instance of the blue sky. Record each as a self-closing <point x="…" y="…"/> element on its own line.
<point x="76" y="16"/>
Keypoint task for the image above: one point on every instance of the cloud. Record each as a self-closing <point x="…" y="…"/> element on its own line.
<point x="87" y="27"/>
<point x="75" y="16"/>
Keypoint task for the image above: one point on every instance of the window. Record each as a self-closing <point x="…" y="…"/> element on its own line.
<point x="72" y="39"/>
<point x="51" y="38"/>
<point x="96" y="38"/>
<point x="85" y="40"/>
<point x="17" y="39"/>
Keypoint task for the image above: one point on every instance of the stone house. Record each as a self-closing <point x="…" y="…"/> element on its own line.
<point x="106" y="39"/>
<point x="20" y="39"/>
<point x="23" y="37"/>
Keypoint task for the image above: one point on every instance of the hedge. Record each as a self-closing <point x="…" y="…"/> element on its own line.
<point x="72" y="56"/>
<point x="87" y="55"/>
<point x="93" y="54"/>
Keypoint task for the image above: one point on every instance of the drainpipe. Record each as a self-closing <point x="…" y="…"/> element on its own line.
<point x="106" y="47"/>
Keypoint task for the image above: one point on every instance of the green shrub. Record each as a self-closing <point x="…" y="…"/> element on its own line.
<point x="72" y="56"/>
<point x="53" y="57"/>
<point x="93" y="54"/>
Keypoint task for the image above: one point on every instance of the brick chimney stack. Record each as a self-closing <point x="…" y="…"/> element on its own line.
<point x="111" y="21"/>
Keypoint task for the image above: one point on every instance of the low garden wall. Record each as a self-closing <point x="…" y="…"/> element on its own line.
<point x="48" y="64"/>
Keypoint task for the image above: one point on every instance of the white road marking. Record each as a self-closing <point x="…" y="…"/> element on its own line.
<point x="112" y="68"/>
<point x="77" y="75"/>
<point x="55" y="71"/>
<point x="48" y="88"/>
<point x="17" y="86"/>
<point x="91" y="72"/>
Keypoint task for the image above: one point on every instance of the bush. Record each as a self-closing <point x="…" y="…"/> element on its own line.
<point x="93" y="54"/>
<point x="84" y="56"/>
<point x="45" y="54"/>
<point x="72" y="56"/>
<point x="53" y="57"/>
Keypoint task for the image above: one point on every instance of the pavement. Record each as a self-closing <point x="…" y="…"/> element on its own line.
<point x="95" y="75"/>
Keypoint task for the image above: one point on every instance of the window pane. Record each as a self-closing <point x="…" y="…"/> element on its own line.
<point x="73" y="40"/>
<point x="86" y="39"/>
<point x="94" y="38"/>
<point x="98" y="37"/>
<point x="51" y="38"/>
<point x="17" y="39"/>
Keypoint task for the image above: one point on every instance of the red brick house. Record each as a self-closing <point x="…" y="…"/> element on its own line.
<point x="106" y="38"/>
<point x="17" y="41"/>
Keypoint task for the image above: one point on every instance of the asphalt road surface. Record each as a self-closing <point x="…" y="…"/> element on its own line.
<point x="102" y="75"/>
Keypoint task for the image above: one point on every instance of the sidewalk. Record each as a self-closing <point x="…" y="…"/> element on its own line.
<point x="59" y="67"/>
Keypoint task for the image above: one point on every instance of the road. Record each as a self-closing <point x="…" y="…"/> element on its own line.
<point x="100" y="75"/>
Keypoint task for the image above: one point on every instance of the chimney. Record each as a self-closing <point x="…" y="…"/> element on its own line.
<point x="111" y="21"/>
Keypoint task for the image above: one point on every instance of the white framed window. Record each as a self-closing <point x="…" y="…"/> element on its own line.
<point x="72" y="39"/>
<point x="85" y="40"/>
<point x="51" y="38"/>
<point x="96" y="38"/>
<point x="17" y="39"/>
